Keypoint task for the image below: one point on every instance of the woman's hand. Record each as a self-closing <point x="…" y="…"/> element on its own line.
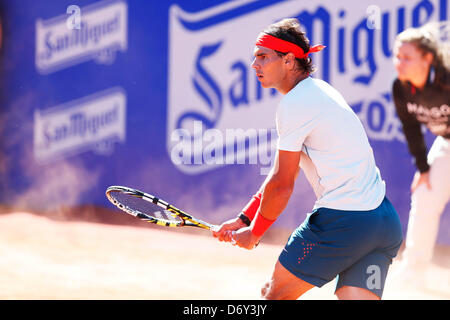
<point x="420" y="178"/>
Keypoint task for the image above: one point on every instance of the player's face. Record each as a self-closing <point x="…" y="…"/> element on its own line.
<point x="268" y="67"/>
<point x="411" y="64"/>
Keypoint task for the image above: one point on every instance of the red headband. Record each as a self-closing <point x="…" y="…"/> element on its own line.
<point x="274" y="43"/>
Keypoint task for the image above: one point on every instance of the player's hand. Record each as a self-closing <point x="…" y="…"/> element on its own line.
<point x="223" y="232"/>
<point x="244" y="238"/>
<point x="420" y="178"/>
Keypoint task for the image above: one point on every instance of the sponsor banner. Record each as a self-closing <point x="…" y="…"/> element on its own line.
<point x="212" y="87"/>
<point x="94" y="122"/>
<point x="185" y="110"/>
<point x="99" y="32"/>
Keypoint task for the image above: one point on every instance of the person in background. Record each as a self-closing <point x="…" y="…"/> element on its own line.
<point x="421" y="95"/>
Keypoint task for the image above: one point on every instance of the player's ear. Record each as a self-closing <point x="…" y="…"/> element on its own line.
<point x="290" y="60"/>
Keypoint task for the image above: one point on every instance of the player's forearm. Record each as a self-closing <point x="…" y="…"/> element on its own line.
<point x="275" y="197"/>
<point x="267" y="180"/>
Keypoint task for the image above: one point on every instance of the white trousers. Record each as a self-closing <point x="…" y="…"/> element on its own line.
<point x="427" y="207"/>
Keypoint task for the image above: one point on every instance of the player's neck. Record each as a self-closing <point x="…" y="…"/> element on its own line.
<point x="292" y="81"/>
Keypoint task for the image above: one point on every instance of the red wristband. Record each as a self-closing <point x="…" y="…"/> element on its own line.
<point x="260" y="225"/>
<point x="252" y="207"/>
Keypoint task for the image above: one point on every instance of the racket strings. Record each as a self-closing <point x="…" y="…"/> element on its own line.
<point x="138" y="205"/>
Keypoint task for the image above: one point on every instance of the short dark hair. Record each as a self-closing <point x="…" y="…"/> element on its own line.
<point x="290" y="30"/>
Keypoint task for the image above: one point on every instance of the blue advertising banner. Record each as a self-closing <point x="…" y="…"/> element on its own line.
<point x="160" y="96"/>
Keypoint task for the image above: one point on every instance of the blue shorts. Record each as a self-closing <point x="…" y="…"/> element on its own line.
<point x="355" y="246"/>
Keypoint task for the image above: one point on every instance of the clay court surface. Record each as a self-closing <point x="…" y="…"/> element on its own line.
<point x="43" y="258"/>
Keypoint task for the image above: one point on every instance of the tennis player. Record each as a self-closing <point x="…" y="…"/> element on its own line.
<point x="422" y="97"/>
<point x="353" y="231"/>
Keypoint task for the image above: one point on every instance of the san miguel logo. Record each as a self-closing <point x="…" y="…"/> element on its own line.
<point x="212" y="91"/>
<point x="94" y="122"/>
<point x="100" y="33"/>
<point x="218" y="113"/>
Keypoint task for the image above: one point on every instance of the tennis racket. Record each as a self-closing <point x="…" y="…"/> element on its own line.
<point x="152" y="209"/>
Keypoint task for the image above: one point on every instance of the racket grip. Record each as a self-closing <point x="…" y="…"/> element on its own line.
<point x="233" y="241"/>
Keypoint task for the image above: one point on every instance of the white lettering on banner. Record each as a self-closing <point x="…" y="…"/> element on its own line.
<point x="74" y="20"/>
<point x="94" y="122"/>
<point x="100" y="32"/>
<point x="211" y="81"/>
<point x="206" y="146"/>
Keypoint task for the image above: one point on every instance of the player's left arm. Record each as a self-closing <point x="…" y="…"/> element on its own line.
<point x="276" y="191"/>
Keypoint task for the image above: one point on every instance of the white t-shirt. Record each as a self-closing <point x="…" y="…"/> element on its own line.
<point x="336" y="156"/>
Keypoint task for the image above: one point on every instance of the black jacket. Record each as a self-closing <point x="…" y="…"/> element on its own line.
<point x="429" y="106"/>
